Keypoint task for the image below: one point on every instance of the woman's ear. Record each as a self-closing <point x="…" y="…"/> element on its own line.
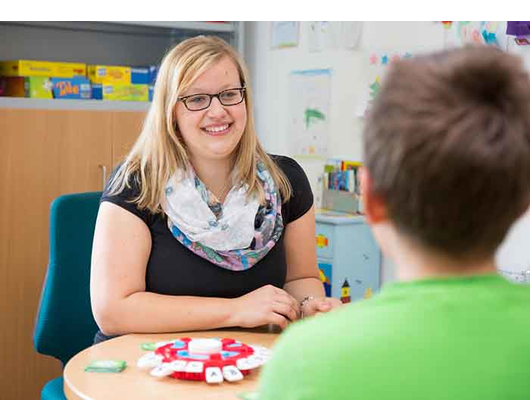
<point x="374" y="205"/>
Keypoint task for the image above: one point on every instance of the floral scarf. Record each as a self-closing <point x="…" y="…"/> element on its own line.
<point x="234" y="235"/>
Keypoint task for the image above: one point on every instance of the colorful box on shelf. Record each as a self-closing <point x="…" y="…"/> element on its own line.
<point x="153" y="73"/>
<point x="27" y="68"/>
<point x="109" y="74"/>
<point x="140" y="75"/>
<point x="28" y="87"/>
<point x="72" y="88"/>
<point x="145" y="75"/>
<point x="113" y="92"/>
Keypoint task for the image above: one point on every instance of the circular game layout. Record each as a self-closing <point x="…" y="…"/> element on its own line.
<point x="212" y="360"/>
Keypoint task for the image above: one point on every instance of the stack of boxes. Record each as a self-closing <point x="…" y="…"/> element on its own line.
<point x="58" y="80"/>
<point x="118" y="83"/>
<point x="44" y="79"/>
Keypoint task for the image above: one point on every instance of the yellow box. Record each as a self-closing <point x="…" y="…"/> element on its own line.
<point x="27" y="68"/>
<point x="109" y="74"/>
<point x="112" y="92"/>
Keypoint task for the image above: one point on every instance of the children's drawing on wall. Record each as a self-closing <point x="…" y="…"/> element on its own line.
<point x="458" y="33"/>
<point x="324" y="35"/>
<point x="351" y="34"/>
<point x="309" y="99"/>
<point x="284" y="34"/>
<point x="376" y="66"/>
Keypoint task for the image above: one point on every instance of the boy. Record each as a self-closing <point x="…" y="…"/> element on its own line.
<point x="447" y="172"/>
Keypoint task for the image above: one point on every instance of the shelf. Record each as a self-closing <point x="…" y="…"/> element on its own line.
<point x="73" y="104"/>
<point x="195" y="26"/>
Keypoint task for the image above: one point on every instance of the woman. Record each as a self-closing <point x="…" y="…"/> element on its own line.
<point x="199" y="228"/>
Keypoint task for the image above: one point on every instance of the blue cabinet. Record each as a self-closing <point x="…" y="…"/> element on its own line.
<point x="349" y="259"/>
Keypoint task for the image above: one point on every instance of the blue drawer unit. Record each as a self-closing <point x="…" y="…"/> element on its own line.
<point x="349" y="259"/>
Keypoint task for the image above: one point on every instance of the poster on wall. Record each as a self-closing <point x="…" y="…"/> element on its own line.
<point x="351" y="34"/>
<point x="324" y="35"/>
<point x="284" y="34"/>
<point x="327" y="36"/>
<point x="377" y="64"/>
<point x="309" y="100"/>
<point x="459" y="33"/>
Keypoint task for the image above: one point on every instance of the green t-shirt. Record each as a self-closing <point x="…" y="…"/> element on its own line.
<point x="446" y="338"/>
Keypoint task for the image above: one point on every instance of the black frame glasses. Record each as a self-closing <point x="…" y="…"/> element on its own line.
<point x="191" y="106"/>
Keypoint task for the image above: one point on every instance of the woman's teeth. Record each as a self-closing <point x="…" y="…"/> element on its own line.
<point x="216" y="129"/>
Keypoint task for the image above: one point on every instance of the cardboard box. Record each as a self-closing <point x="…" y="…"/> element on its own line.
<point x="140" y="75"/>
<point x="113" y="92"/>
<point x="28" y="68"/>
<point x="13" y="86"/>
<point x="38" y="87"/>
<point x="151" y="92"/>
<point x="109" y="74"/>
<point x="153" y="73"/>
<point x="71" y="88"/>
<point x="28" y="87"/>
<point x="97" y="91"/>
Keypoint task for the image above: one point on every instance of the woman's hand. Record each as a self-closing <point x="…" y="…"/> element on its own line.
<point x="320" y="305"/>
<point x="266" y="305"/>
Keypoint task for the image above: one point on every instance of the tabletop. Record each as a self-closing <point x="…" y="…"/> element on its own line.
<point x="134" y="383"/>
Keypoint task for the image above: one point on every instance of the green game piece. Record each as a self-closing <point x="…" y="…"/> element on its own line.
<point x="106" y="366"/>
<point x="148" y="346"/>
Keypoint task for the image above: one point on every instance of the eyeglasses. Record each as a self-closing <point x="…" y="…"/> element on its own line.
<point x="200" y="101"/>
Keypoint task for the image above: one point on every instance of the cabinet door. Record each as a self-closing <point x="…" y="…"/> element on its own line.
<point x="126" y="127"/>
<point x="44" y="154"/>
<point x="325" y="238"/>
<point x="83" y="141"/>
<point x="357" y="262"/>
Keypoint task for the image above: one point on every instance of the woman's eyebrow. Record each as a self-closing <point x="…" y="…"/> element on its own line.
<point x="196" y="90"/>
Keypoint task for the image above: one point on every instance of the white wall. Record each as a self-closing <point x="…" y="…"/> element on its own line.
<point x="270" y="71"/>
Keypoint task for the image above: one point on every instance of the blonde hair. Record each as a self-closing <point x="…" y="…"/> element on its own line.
<point x="159" y="150"/>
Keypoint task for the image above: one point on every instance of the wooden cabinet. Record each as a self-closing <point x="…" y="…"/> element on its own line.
<point x="45" y="153"/>
<point x="126" y="127"/>
<point x="49" y="148"/>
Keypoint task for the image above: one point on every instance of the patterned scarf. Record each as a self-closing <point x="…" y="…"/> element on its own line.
<point x="234" y="235"/>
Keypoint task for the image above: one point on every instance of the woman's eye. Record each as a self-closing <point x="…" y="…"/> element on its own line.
<point x="229" y="95"/>
<point x="197" y="99"/>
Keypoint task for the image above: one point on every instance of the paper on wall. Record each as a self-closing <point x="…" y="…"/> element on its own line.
<point x="309" y="100"/>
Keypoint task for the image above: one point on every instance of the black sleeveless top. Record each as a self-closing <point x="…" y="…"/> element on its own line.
<point x="172" y="269"/>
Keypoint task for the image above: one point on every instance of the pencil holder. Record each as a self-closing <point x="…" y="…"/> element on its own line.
<point x="340" y="201"/>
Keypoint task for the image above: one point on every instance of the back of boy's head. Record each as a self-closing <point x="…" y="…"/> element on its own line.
<point x="447" y="147"/>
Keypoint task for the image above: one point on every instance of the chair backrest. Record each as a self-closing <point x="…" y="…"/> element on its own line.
<point x="65" y="324"/>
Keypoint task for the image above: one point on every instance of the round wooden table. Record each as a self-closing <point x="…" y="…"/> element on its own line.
<point x="134" y="383"/>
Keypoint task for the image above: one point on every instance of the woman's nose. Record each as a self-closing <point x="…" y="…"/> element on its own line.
<point x="216" y="108"/>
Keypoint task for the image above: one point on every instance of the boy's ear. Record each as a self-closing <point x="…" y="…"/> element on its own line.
<point x="374" y="206"/>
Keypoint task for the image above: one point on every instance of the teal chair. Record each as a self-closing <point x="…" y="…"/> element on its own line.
<point x="65" y="324"/>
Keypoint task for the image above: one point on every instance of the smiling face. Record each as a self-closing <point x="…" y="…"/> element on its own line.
<point x="215" y="132"/>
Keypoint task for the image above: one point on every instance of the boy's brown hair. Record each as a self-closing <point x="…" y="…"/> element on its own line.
<point x="447" y="147"/>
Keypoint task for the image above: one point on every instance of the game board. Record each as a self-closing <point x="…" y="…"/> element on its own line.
<point x="212" y="360"/>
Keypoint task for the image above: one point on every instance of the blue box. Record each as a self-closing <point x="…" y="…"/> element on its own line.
<point x="151" y="92"/>
<point x="97" y="91"/>
<point x="140" y="75"/>
<point x="153" y="73"/>
<point x="71" y="88"/>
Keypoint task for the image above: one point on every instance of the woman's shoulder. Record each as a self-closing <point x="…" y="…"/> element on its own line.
<point x="301" y="198"/>
<point x="290" y="167"/>
<point x="125" y="193"/>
